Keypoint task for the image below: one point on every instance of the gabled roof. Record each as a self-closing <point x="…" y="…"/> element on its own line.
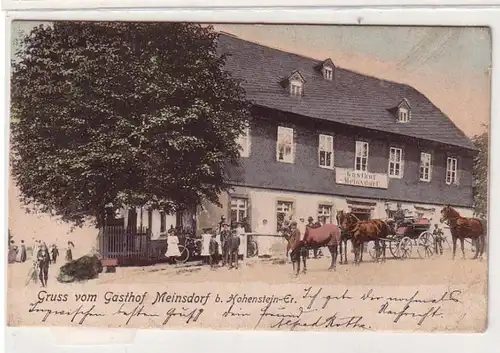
<point x="351" y="98"/>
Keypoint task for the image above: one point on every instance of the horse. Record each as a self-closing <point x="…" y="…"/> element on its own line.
<point x="345" y="236"/>
<point x="365" y="231"/>
<point x="315" y="237"/>
<point x="462" y="228"/>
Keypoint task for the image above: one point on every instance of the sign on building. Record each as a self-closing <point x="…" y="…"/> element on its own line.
<point x="359" y="178"/>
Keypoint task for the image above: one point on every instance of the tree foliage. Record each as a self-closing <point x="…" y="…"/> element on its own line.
<point x="480" y="175"/>
<point x="137" y="114"/>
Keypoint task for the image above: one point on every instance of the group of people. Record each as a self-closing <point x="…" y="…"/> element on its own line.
<point x="41" y="254"/>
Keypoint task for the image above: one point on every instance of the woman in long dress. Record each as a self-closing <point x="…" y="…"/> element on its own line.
<point x="205" y="245"/>
<point x="240" y="232"/>
<point x="172" y="246"/>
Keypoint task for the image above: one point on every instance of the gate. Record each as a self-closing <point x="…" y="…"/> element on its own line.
<point x="124" y="244"/>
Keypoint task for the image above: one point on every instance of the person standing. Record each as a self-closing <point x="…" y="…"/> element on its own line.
<point x="12" y="252"/>
<point x="69" y="251"/>
<point x="399" y="215"/>
<point x="225" y="235"/>
<point x="206" y="237"/>
<point x="172" y="246"/>
<point x="43" y="264"/>
<point x="263" y="239"/>
<point x="55" y="253"/>
<point x="240" y="232"/>
<point x="438" y="239"/>
<point x="24" y="254"/>
<point x="214" y="252"/>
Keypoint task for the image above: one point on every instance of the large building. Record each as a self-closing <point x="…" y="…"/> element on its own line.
<point x="324" y="139"/>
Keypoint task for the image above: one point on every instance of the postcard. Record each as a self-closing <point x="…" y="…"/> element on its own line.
<point x="248" y="176"/>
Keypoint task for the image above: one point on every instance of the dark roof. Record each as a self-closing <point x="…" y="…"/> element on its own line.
<point x="351" y="98"/>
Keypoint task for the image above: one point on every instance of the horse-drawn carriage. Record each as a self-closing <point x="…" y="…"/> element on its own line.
<point x="412" y="232"/>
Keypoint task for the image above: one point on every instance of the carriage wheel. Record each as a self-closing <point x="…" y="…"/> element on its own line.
<point x="252" y="248"/>
<point x="31" y="276"/>
<point x="372" y="250"/>
<point x="425" y="245"/>
<point x="404" y="248"/>
<point x="184" y="256"/>
<point x="394" y="249"/>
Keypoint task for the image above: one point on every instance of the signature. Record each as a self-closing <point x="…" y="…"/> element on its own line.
<point x="332" y="321"/>
<point x="74" y="314"/>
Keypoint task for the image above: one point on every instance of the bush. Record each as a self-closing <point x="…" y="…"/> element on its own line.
<point x="82" y="269"/>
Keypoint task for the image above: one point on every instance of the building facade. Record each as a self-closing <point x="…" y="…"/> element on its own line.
<point x="324" y="139"/>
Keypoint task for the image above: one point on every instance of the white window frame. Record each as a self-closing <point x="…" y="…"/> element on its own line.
<point x="326" y="211"/>
<point x="296" y="88"/>
<point x="360" y="149"/>
<point x="451" y="173"/>
<point x="282" y="134"/>
<point x="328" y="73"/>
<point x="393" y="160"/>
<point x="239" y="204"/>
<point x="425" y="164"/>
<point x="403" y="115"/>
<point x="325" y="144"/>
<point x="244" y="142"/>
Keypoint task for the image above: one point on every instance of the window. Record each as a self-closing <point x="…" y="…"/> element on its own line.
<point x="296" y="88"/>
<point x="150" y="220"/>
<point x="361" y="156"/>
<point x="395" y="162"/>
<point x="328" y="73"/>
<point x="425" y="166"/>
<point x="163" y="222"/>
<point x="284" y="211"/>
<point x="451" y="171"/>
<point x="239" y="210"/>
<point x="325" y="151"/>
<point x="284" y="145"/>
<point x="325" y="214"/>
<point x="404" y="115"/>
<point x="244" y="143"/>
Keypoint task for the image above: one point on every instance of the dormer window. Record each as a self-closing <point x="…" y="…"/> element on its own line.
<point x="296" y="88"/>
<point x="327" y="69"/>
<point x="404" y="111"/>
<point x="295" y="84"/>
<point x="403" y="115"/>
<point x="328" y="73"/>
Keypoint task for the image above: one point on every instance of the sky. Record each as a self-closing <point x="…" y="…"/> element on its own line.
<point x="450" y="65"/>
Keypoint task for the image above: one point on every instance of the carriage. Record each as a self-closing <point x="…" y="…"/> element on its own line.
<point x="412" y="232"/>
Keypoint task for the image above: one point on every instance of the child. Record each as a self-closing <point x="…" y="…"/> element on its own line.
<point x="438" y="239"/>
<point x="172" y="246"/>
<point x="214" y="252"/>
<point x="206" y="237"/>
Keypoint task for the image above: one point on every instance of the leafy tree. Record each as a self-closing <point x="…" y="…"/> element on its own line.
<point x="137" y="114"/>
<point x="480" y="175"/>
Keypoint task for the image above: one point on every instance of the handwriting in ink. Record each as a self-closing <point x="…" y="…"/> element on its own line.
<point x="309" y="295"/>
<point x="431" y="312"/>
<point x="264" y="312"/>
<point x="135" y="312"/>
<point x="190" y="315"/>
<point x="230" y="313"/>
<point x="344" y="296"/>
<point x="84" y="313"/>
<point x="329" y="322"/>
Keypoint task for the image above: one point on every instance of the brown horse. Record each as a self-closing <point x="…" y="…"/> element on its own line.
<point x="344" y="238"/>
<point x="326" y="235"/>
<point x="462" y="228"/>
<point x="365" y="231"/>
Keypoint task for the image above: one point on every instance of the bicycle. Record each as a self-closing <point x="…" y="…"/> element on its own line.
<point x="33" y="273"/>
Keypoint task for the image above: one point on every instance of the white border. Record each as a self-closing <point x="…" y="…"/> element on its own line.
<point x="41" y="340"/>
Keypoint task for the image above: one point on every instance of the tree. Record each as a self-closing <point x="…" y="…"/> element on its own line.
<point x="480" y="175"/>
<point x="128" y="114"/>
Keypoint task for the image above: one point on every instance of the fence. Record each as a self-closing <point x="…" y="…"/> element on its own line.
<point x="118" y="242"/>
